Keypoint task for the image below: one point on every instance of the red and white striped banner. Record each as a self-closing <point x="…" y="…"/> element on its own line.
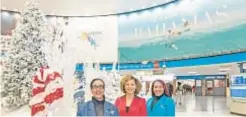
<point x="47" y="88"/>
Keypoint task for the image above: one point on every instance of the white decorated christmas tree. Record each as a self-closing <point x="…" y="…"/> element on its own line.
<point x="55" y="46"/>
<point x="113" y="90"/>
<point x="111" y="79"/>
<point x="25" y="58"/>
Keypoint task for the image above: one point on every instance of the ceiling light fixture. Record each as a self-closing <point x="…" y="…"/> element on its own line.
<point x="222" y="72"/>
<point x="144" y="62"/>
<point x="15" y="9"/>
<point x="87" y="14"/>
<point x="224" y="69"/>
<point x="3" y="8"/>
<point x="192" y="72"/>
<point x="52" y="12"/>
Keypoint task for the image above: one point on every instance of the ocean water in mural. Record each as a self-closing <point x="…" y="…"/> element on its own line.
<point x="176" y="30"/>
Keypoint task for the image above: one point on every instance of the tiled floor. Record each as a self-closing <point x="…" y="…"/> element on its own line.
<point x="203" y="106"/>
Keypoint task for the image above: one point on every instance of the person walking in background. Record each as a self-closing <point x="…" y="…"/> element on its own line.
<point x="170" y="89"/>
<point x="179" y="93"/>
<point x="160" y="104"/>
<point x="97" y="106"/>
<point x="193" y="89"/>
<point x="130" y="104"/>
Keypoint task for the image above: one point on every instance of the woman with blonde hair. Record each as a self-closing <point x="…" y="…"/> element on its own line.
<point x="130" y="104"/>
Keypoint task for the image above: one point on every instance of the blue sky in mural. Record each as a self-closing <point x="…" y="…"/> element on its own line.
<point x="186" y="27"/>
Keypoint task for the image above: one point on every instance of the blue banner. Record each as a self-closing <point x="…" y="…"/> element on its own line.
<point x="235" y="57"/>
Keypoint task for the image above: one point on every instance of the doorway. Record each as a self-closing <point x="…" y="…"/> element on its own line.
<point x="219" y="87"/>
<point x="209" y="84"/>
<point x="198" y="88"/>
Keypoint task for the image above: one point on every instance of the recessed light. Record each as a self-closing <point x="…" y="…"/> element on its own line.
<point x="144" y="62"/>
<point x="192" y="72"/>
<point x="224" y="69"/>
<point x="15" y="9"/>
<point x="222" y="72"/>
<point x="87" y="14"/>
<point x="3" y="8"/>
<point x="52" y="12"/>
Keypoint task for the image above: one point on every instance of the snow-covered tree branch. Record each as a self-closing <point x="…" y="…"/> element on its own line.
<point x="26" y="57"/>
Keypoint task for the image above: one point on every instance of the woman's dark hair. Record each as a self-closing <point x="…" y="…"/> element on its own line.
<point x="164" y="86"/>
<point x="96" y="80"/>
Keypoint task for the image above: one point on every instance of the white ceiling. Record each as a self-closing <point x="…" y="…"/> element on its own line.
<point x="231" y="68"/>
<point x="84" y="7"/>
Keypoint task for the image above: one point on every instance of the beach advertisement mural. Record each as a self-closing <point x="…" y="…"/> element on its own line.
<point x="181" y="29"/>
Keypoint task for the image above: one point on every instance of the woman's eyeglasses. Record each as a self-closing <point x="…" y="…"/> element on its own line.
<point x="97" y="86"/>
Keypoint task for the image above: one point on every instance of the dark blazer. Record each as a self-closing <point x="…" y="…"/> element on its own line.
<point x="137" y="108"/>
<point x="88" y="109"/>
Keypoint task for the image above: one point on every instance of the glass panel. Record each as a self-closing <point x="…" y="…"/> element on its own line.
<point x="209" y="84"/>
<point x="209" y="87"/>
<point x="219" y="83"/>
<point x="198" y="83"/>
